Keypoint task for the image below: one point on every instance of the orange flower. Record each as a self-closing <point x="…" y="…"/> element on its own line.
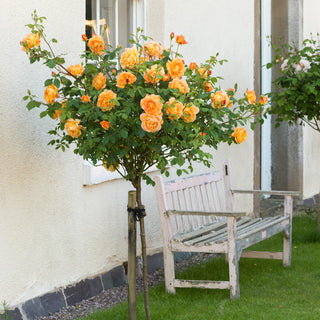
<point x="192" y="66"/>
<point x="30" y="41"/>
<point x="220" y="99"/>
<point x="152" y="49"/>
<point x="204" y="72"/>
<point x="84" y="37"/>
<point x="105" y="124"/>
<point x="166" y="78"/>
<point x="73" y="128"/>
<point x="154" y="75"/>
<point x="51" y="93"/>
<point x="57" y="113"/>
<point x="180" y="84"/>
<point x="85" y="98"/>
<point x="208" y="86"/>
<point x="251" y="96"/>
<point x="106" y="100"/>
<point x="96" y="44"/>
<point x="151" y="122"/>
<point x="125" y="78"/>
<point x="176" y="68"/>
<point x="263" y="100"/>
<point x="189" y="113"/>
<point x="240" y="134"/>
<point x="129" y="58"/>
<point x="151" y="104"/>
<point x="99" y="81"/>
<point x="174" y="109"/>
<point x="76" y="70"/>
<point x="180" y="39"/>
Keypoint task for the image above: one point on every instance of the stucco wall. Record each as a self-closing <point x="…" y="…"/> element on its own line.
<point x="311" y="138"/>
<point x="54" y="231"/>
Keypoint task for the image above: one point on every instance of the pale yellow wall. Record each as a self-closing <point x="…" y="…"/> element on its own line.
<point x="54" y="231"/>
<point x="311" y="138"/>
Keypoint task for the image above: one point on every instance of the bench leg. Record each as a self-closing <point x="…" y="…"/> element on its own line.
<point x="233" y="257"/>
<point x="168" y="259"/>
<point x="287" y="243"/>
<point x="287" y="239"/>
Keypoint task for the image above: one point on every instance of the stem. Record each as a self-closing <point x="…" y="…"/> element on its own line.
<point x="143" y="252"/>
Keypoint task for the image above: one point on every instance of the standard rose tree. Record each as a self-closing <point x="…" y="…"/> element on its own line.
<point x="136" y="108"/>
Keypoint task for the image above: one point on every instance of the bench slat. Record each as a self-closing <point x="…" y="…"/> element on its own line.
<point x="201" y="284"/>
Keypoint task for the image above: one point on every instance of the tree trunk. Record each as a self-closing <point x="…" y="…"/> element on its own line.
<point x="143" y="252"/>
<point x="318" y="222"/>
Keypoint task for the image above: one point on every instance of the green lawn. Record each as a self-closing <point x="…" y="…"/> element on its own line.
<point x="267" y="289"/>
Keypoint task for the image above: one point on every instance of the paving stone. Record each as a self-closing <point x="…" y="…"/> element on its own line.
<point x="83" y="290"/>
<point x="118" y="276"/>
<point x="155" y="262"/>
<point x="12" y="314"/>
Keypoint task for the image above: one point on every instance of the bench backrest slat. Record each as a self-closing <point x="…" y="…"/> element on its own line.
<point x="198" y="193"/>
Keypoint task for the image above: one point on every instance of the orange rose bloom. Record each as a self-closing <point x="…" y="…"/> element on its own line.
<point x="30" y="41"/>
<point x="57" y="113"/>
<point x="73" y="128"/>
<point x="99" y="81"/>
<point x="125" y="78"/>
<point x="204" y="72"/>
<point x="176" y="68"/>
<point x="105" y="98"/>
<point x="85" y="98"/>
<point x="180" y="39"/>
<point x="151" y="104"/>
<point x="220" y="99"/>
<point x="251" y="96"/>
<point x="151" y="122"/>
<point x="192" y="65"/>
<point x="51" y="93"/>
<point x="240" y="134"/>
<point x="263" y="100"/>
<point x="174" y="109"/>
<point x="76" y="70"/>
<point x="189" y="113"/>
<point x="152" y="49"/>
<point x="129" y="58"/>
<point x="208" y="86"/>
<point x="105" y="124"/>
<point x="96" y="44"/>
<point x="179" y="84"/>
<point x="154" y="75"/>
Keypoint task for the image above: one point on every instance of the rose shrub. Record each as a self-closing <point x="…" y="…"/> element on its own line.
<point x="137" y="108"/>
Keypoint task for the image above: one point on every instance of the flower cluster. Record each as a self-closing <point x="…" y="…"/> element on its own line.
<point x="296" y="95"/>
<point x="138" y="107"/>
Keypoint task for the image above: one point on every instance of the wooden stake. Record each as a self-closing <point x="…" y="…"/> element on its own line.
<point x="132" y="253"/>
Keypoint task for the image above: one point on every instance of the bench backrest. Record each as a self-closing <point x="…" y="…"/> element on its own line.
<point x="197" y="193"/>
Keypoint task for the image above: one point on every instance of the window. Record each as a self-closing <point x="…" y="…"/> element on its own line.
<point x="120" y="18"/>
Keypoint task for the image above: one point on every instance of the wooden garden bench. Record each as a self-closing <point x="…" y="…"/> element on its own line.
<point x="193" y="219"/>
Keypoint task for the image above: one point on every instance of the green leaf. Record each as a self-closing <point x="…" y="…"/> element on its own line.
<point x="43" y="114"/>
<point x="51" y="63"/>
<point x="56" y="82"/>
<point x="48" y="82"/>
<point x="33" y="104"/>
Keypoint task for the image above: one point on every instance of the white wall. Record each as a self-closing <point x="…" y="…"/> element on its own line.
<point x="311" y="138"/>
<point x="209" y="27"/>
<point x="54" y="231"/>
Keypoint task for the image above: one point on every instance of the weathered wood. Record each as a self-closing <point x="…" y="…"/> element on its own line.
<point x="132" y="253"/>
<point x="269" y="192"/>
<point x="205" y="213"/>
<point x="201" y="284"/>
<point x="193" y="219"/>
<point x="262" y="255"/>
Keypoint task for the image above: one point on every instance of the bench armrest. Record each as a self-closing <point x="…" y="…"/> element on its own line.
<point x="203" y="213"/>
<point x="269" y="192"/>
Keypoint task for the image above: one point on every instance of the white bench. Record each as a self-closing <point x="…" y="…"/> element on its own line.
<point x="193" y="219"/>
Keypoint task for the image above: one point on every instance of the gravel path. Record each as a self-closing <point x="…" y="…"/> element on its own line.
<point x="115" y="295"/>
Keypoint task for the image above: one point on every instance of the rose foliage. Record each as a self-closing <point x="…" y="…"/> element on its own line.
<point x="139" y="107"/>
<point x="296" y="96"/>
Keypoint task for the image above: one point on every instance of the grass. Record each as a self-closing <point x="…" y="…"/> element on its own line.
<point x="267" y="289"/>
